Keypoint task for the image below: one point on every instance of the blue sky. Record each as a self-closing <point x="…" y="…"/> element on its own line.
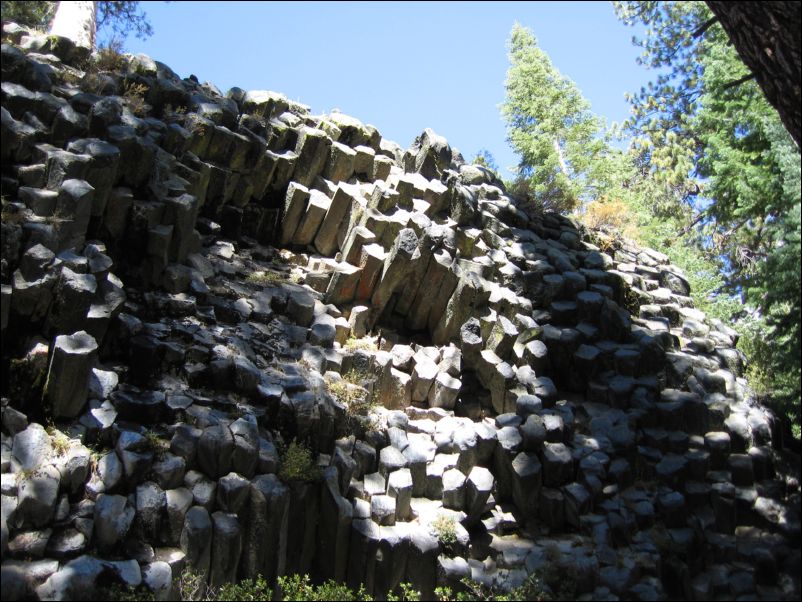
<point x="401" y="66"/>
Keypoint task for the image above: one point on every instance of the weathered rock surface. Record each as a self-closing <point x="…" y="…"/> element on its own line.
<point x="188" y="292"/>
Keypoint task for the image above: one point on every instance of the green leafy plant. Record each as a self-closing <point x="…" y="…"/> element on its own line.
<point x="59" y="441"/>
<point x="12" y="214"/>
<point x="247" y="590"/>
<point x="362" y="344"/>
<point x="408" y="594"/>
<point x="444" y="527"/>
<point x="156" y="443"/>
<point x="109" y="57"/>
<point x="704" y="130"/>
<point x="192" y="586"/>
<point x="298" y="464"/>
<point x="299" y="587"/>
<point x="135" y="95"/>
<point x="266" y="277"/>
<point x="171" y="113"/>
<point x="359" y="404"/>
<point x="123" y="593"/>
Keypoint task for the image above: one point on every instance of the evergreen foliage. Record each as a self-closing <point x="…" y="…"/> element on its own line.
<point x="705" y="131"/>
<point x="117" y="18"/>
<point x="29" y="13"/>
<point x="550" y="126"/>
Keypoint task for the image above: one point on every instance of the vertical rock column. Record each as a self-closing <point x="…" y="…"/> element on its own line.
<point x="397" y="264"/>
<point x="266" y="533"/>
<point x="68" y="376"/>
<point x="334" y="531"/>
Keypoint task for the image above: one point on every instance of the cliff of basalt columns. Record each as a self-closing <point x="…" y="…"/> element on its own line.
<point x="198" y="286"/>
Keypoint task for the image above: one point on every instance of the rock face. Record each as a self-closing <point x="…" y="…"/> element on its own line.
<point x="472" y="390"/>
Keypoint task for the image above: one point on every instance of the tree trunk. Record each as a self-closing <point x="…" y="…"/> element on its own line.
<point x="76" y="20"/>
<point x="767" y="37"/>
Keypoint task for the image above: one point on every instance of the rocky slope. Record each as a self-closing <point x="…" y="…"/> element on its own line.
<point x="191" y="281"/>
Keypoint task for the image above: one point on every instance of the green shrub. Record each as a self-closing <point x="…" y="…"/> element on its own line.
<point x="157" y="444"/>
<point x="247" y="590"/>
<point x="298" y="587"/>
<point x="109" y="57"/>
<point x="298" y="464"/>
<point x="363" y="344"/>
<point x="359" y="404"/>
<point x="192" y="586"/>
<point x="60" y="442"/>
<point x="408" y="594"/>
<point x="266" y="277"/>
<point x="444" y="527"/>
<point x="125" y="594"/>
<point x="135" y="95"/>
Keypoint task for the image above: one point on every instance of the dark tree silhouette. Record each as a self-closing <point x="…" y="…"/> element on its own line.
<point x="767" y="38"/>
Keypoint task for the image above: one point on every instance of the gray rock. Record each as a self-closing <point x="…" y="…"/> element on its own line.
<point x="145" y="407"/>
<point x="421" y="566"/>
<point x="233" y="492"/>
<point x="533" y="433"/>
<point x="150" y="506"/>
<point x="741" y="469"/>
<point x="323" y="331"/>
<point x="177" y="503"/>
<point x="74" y="581"/>
<point x="341" y="206"/>
<point x="37" y="496"/>
<point x="74" y="203"/>
<point x="215" y="450"/>
<point x="102" y="383"/>
<point x="196" y="540"/>
<point x="558" y="465"/>
<point x="478" y="487"/>
<point x="526" y="479"/>
<point x="399" y="486"/>
<point x="391" y="459"/>
<point x="135" y="454"/>
<point x="108" y="475"/>
<point x="551" y="508"/>
<point x="68" y="375"/>
<point x="312" y="150"/>
<point x="301" y="308"/>
<point x="185" y="441"/>
<point x="203" y="489"/>
<point x="365" y="538"/>
<point x="31" y="544"/>
<point x="158" y="578"/>
<point x="245" y="455"/>
<point x="67" y="543"/>
<point x="226" y="549"/>
<point x="265" y="535"/>
<point x="19" y="579"/>
<point x="398" y="263"/>
<point x="31" y="447"/>
<point x="346" y="468"/>
<point x="334" y="529"/>
<point x="454" y="489"/>
<point x="382" y="509"/>
<point x="294" y="206"/>
<point x="169" y="471"/>
<point x="113" y="518"/>
<point x="444" y="391"/>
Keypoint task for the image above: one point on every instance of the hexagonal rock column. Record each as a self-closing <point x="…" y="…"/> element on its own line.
<point x="68" y="376"/>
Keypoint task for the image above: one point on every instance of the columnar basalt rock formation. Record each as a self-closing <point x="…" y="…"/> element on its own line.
<point x="192" y="280"/>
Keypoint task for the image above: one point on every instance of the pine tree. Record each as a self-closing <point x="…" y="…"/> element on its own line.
<point x="550" y="126"/>
<point x="706" y="130"/>
<point x="81" y="19"/>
